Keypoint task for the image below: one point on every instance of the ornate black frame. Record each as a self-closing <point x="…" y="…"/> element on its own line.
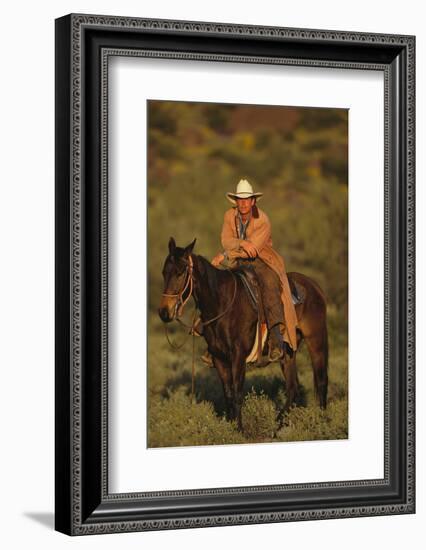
<point x="83" y="45"/>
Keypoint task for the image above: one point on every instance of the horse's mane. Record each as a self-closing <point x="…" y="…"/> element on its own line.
<point x="210" y="272"/>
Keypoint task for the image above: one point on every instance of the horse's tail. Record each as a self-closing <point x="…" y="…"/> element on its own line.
<point x="326" y="346"/>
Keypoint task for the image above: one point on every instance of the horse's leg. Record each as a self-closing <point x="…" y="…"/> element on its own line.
<point x="318" y="348"/>
<point x="238" y="377"/>
<point x="289" y="370"/>
<point x="225" y="375"/>
<point x="291" y="378"/>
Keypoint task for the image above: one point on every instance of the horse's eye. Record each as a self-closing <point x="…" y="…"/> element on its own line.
<point x="180" y="268"/>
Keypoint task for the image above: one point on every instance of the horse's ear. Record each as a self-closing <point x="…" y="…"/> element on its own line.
<point x="189" y="248"/>
<point x="172" y="246"/>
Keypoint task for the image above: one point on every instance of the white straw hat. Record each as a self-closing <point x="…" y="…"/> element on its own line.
<point x="244" y="191"/>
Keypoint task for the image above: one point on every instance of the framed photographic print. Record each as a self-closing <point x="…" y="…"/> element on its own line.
<point x="234" y="274"/>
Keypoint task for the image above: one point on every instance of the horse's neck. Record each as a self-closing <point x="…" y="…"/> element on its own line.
<point x="208" y="284"/>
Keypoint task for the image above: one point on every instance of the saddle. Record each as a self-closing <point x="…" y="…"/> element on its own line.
<point x="249" y="278"/>
<point x="298" y="293"/>
<point x="250" y="281"/>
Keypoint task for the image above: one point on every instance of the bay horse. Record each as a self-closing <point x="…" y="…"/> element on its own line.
<point x="230" y="323"/>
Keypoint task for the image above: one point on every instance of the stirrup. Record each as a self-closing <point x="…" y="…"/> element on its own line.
<point x="275" y="354"/>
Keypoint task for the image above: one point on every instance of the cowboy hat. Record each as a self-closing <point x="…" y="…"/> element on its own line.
<point x="244" y="191"/>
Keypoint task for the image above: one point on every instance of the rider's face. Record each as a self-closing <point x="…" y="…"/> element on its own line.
<point x="244" y="205"/>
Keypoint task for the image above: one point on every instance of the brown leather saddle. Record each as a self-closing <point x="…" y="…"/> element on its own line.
<point x="249" y="278"/>
<point x="250" y="281"/>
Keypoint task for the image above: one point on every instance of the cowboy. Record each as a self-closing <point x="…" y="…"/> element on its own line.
<point x="246" y="238"/>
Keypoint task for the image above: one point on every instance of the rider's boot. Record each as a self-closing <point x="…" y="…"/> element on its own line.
<point x="276" y="343"/>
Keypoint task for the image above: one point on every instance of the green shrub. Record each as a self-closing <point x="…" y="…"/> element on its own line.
<point x="174" y="422"/>
<point x="259" y="417"/>
<point x="312" y="423"/>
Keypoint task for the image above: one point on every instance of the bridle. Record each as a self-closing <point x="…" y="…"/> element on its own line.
<point x="189" y="281"/>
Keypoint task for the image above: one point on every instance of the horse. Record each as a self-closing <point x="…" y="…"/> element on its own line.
<point x="229" y="324"/>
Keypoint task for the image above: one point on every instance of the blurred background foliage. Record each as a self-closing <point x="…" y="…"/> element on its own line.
<point x="298" y="157"/>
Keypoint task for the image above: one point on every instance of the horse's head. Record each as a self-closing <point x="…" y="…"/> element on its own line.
<point x="177" y="275"/>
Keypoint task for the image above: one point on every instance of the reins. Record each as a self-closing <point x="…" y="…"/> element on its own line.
<point x="180" y="303"/>
<point x="205" y="323"/>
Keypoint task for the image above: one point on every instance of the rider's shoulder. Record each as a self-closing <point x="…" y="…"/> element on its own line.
<point x="230" y="213"/>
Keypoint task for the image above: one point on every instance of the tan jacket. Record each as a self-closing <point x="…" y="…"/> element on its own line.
<point x="259" y="233"/>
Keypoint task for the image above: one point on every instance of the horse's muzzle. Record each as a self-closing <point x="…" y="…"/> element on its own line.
<point x="164" y="314"/>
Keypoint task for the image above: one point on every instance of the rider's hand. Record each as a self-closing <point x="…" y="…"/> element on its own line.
<point x="249" y="248"/>
<point x="218" y="259"/>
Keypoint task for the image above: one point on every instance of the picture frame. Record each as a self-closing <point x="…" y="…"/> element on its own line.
<point x="83" y="503"/>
